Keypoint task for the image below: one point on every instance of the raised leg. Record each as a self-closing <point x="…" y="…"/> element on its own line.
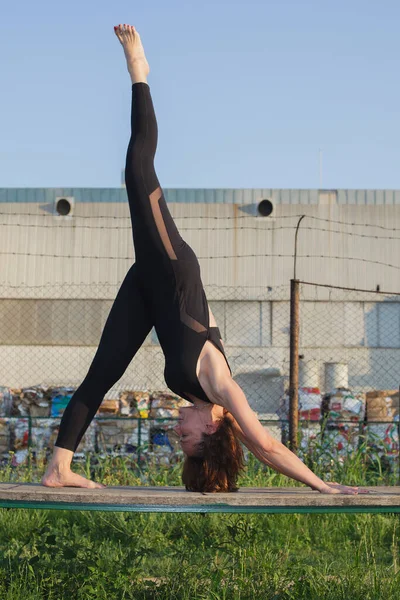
<point x="155" y="234"/>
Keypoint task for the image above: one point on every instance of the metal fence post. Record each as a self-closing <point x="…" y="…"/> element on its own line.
<point x="294" y="363"/>
<point x="398" y="439"/>
<point x="139" y="440"/>
<point x="29" y="439"/>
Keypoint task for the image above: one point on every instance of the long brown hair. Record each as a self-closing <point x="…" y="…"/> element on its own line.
<point x="218" y="461"/>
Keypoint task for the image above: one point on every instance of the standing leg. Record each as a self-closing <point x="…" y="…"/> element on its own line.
<point x="126" y="328"/>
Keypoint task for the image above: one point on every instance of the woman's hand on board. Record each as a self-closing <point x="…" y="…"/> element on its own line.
<point x="333" y="487"/>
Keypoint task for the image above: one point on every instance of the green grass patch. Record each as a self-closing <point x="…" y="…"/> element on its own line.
<point x="57" y="555"/>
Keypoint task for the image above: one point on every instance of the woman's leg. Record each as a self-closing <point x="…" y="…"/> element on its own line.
<point x="157" y="240"/>
<point x="126" y="328"/>
<point x="154" y="231"/>
<point x="129" y="321"/>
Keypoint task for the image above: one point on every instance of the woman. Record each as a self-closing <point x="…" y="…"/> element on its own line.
<point x="164" y="289"/>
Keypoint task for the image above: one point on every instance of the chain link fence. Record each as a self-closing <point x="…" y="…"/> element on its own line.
<point x="348" y="366"/>
<point x="343" y="376"/>
<point x="348" y="370"/>
<point x="49" y="335"/>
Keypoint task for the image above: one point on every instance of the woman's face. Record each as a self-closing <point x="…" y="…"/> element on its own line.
<point x="191" y="426"/>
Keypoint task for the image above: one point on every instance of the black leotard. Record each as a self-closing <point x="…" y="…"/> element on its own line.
<point x="162" y="289"/>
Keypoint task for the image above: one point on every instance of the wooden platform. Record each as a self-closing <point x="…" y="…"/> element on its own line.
<point x="178" y="500"/>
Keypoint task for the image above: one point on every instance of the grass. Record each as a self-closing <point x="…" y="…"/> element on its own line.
<point x="57" y="555"/>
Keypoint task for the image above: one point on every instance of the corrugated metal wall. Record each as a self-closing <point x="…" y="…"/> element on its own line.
<point x="339" y="244"/>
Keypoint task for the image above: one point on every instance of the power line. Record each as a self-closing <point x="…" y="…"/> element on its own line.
<point x="205" y="217"/>
<point x="236" y="256"/>
<point x="338" y="287"/>
<point x="252" y="228"/>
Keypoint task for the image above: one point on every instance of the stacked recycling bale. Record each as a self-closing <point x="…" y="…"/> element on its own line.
<point x="121" y="433"/>
<point x="5" y="409"/>
<point x="153" y="434"/>
<point x="382" y="424"/>
<point x="4" y="436"/>
<point x="344" y="412"/>
<point x="24" y="403"/>
<point x="115" y="429"/>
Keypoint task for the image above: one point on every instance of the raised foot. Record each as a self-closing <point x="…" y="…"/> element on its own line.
<point x="137" y="64"/>
<point x="54" y="478"/>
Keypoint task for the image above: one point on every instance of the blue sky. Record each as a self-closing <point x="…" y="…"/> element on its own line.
<point x="246" y="92"/>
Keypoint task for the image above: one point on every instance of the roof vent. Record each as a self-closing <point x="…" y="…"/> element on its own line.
<point x="265" y="208"/>
<point x="64" y="206"/>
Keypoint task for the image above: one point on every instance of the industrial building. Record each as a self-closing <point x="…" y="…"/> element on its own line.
<point x="64" y="253"/>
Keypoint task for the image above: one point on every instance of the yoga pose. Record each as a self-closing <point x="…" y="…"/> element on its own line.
<point x="163" y="288"/>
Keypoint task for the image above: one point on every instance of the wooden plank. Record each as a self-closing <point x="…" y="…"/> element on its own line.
<point x="177" y="499"/>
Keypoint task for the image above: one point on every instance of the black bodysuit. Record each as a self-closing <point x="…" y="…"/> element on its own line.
<point x="162" y="289"/>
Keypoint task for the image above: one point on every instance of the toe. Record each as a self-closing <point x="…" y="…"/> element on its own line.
<point x="118" y="32"/>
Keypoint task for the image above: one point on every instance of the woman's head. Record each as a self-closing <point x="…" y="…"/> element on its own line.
<point x="194" y="421"/>
<point x="214" y="456"/>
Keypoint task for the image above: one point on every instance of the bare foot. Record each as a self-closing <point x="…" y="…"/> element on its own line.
<point x="55" y="477"/>
<point x="137" y="64"/>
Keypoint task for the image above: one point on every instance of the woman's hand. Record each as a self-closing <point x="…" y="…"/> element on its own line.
<point x="335" y="488"/>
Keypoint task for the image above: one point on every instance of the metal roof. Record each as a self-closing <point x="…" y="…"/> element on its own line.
<point x="210" y="195"/>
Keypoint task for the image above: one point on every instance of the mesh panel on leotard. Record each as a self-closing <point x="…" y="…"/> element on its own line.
<point x="155" y="198"/>
<point x="160" y="220"/>
<point x="192" y="323"/>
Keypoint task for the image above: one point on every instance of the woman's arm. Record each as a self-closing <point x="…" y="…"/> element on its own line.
<point x="260" y="443"/>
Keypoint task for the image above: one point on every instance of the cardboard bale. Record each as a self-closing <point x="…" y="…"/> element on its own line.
<point x="59" y="399"/>
<point x="19" y="433"/>
<point x="309" y="408"/>
<point x="343" y="404"/>
<point x="5" y="401"/>
<point x="144" y="436"/>
<point x="134" y="404"/>
<point x="109" y="406"/>
<point x="341" y="440"/>
<point x="108" y="434"/>
<point x="382" y="405"/>
<point x="310" y="401"/>
<point x="382" y="437"/>
<point x="4" y="435"/>
<point x="166" y="406"/>
<point x="41" y="433"/>
<point x="36" y="400"/>
<point x="117" y="432"/>
<point x="19" y="406"/>
<point x="30" y="401"/>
